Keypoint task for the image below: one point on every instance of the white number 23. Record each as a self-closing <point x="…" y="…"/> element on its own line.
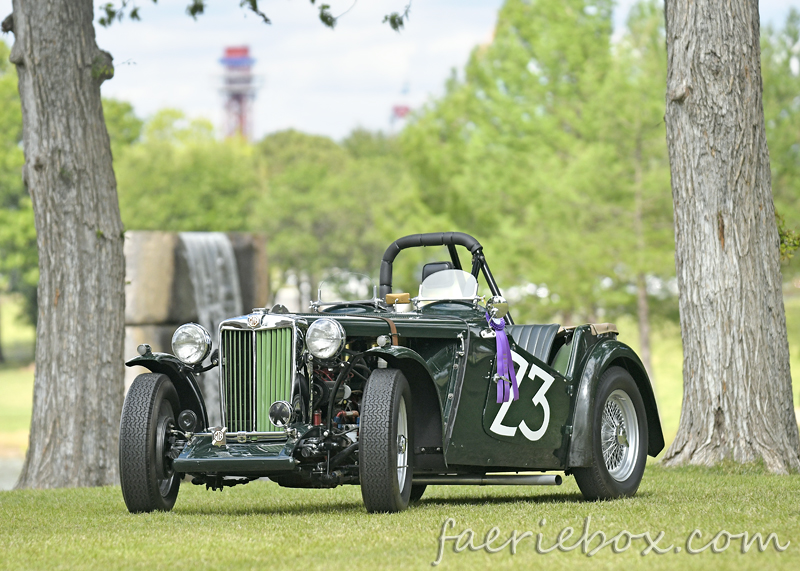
<point x="538" y="399"/>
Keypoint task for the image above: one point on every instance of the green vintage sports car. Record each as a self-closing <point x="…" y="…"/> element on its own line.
<point x="393" y="394"/>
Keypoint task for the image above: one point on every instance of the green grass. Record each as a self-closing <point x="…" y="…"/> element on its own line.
<point x="262" y="526"/>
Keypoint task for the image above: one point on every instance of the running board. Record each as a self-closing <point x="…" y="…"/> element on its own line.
<point x="489" y="480"/>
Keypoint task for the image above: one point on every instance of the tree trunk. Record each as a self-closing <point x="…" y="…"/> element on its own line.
<point x="78" y="387"/>
<point x="737" y="398"/>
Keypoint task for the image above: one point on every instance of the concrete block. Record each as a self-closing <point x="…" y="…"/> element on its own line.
<point x="149" y="276"/>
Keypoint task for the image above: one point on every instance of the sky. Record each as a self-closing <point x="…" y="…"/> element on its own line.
<point x="310" y="78"/>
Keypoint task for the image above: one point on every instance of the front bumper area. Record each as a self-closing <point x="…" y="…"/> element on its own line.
<point x="260" y="458"/>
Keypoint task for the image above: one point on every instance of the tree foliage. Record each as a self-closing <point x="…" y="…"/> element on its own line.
<point x="780" y="69"/>
<point x="116" y="11"/>
<point x="181" y="177"/>
<point x="18" y="259"/>
<point x="337" y="206"/>
<point x="542" y="148"/>
<point x="549" y="148"/>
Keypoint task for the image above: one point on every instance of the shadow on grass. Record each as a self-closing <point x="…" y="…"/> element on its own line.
<point x="349" y="507"/>
<point x="342" y="508"/>
<point x="575" y="498"/>
<point x="497" y="500"/>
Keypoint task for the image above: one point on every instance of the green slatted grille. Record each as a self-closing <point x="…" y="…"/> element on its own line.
<point x="257" y="372"/>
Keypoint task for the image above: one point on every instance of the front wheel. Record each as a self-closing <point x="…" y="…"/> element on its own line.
<point x="619" y="439"/>
<point x="416" y="492"/>
<point x="386" y="443"/>
<point x="145" y="437"/>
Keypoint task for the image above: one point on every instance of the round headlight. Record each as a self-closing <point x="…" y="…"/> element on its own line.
<point x="191" y="343"/>
<point x="325" y="338"/>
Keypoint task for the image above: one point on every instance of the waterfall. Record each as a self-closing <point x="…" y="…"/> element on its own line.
<point x="217" y="296"/>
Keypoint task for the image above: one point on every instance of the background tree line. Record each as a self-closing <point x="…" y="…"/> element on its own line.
<point x="549" y="147"/>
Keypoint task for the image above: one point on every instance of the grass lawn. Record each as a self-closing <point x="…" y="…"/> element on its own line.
<point x="262" y="526"/>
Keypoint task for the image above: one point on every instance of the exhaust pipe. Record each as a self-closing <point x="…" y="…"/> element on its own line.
<point x="490" y="480"/>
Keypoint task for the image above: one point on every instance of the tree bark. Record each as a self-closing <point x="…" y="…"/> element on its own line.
<point x="78" y="386"/>
<point x="737" y="398"/>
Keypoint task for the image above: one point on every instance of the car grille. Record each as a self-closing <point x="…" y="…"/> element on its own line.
<point x="256" y="372"/>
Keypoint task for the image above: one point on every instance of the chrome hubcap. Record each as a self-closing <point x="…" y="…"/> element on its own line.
<point x="619" y="434"/>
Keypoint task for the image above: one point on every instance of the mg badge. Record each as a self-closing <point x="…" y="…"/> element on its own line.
<point x="218" y="437"/>
<point x="254" y="320"/>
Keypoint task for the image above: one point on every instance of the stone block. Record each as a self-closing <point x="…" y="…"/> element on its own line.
<point x="149" y="276"/>
<point x="158" y="287"/>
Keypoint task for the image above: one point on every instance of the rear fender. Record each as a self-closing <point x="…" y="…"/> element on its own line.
<point x="609" y="353"/>
<point x="182" y="378"/>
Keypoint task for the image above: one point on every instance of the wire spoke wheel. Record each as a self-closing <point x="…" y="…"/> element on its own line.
<point x="619" y="435"/>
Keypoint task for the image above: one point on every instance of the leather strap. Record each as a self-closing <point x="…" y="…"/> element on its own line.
<point x="392" y="328"/>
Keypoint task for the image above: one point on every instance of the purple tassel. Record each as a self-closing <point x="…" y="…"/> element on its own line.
<point x="506" y="375"/>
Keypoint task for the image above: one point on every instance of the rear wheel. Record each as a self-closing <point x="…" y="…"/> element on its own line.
<point x="145" y="436"/>
<point x="619" y="441"/>
<point x="386" y="442"/>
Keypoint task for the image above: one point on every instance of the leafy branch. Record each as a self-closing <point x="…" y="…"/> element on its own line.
<point x="398" y="20"/>
<point x="115" y="12"/>
<point x="789" y="239"/>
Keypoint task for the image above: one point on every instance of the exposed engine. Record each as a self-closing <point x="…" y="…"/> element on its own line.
<point x="330" y="402"/>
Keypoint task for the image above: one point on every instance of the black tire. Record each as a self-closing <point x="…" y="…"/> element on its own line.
<point x="384" y="486"/>
<point x="416" y="492"/>
<point x="148" y="481"/>
<point x="619" y="472"/>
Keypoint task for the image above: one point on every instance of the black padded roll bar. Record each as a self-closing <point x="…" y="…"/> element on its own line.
<point x="449" y="239"/>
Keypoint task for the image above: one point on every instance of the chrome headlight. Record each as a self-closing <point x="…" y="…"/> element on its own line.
<point x="325" y="338"/>
<point x="191" y="343"/>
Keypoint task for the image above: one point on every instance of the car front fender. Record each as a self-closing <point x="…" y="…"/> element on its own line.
<point x="182" y="378"/>
<point x="426" y="400"/>
<point x="609" y="353"/>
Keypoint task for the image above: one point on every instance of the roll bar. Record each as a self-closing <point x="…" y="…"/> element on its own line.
<point x="449" y="239"/>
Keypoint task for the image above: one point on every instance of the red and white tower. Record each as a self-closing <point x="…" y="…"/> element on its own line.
<point x="239" y="89"/>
